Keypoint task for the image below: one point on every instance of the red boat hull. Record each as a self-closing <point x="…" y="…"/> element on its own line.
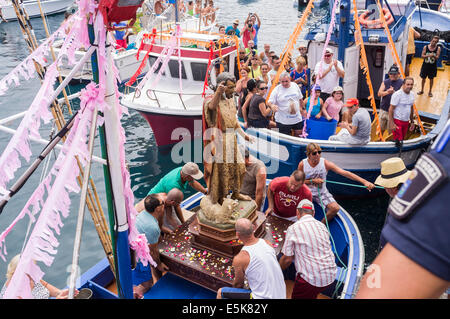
<point x="170" y="129"/>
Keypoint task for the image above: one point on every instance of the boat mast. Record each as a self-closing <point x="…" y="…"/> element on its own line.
<point x="344" y="28"/>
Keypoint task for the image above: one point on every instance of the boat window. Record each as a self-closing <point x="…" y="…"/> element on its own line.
<point x="152" y="60"/>
<point x="199" y="71"/>
<point x="174" y="69"/>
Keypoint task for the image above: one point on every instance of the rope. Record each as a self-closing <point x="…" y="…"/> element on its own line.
<point x="353" y="185"/>
<point x="344" y="272"/>
<point x="365" y="67"/>
<point x="395" y="56"/>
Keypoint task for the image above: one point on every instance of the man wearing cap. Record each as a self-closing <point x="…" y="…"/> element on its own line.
<point x="401" y="112"/>
<point x="359" y="131"/>
<point x="393" y="175"/>
<point x="233" y="29"/>
<point x="328" y="73"/>
<point x="180" y="178"/>
<point x="387" y="88"/>
<point x="307" y="244"/>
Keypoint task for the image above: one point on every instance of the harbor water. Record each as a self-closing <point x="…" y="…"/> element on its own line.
<point x="147" y="163"/>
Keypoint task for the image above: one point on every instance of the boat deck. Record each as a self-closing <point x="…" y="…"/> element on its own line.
<point x="441" y="86"/>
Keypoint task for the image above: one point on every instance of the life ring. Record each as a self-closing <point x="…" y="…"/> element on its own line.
<point x="364" y="19"/>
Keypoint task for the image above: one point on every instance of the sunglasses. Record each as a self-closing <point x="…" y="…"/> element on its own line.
<point x="327" y="55"/>
<point x="264" y="88"/>
<point x="316" y="152"/>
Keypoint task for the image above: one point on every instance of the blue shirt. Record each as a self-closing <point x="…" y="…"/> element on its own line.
<point x="255" y="39"/>
<point x="148" y="225"/>
<point x="230" y="28"/>
<point x="424" y="236"/>
<point x="120" y="34"/>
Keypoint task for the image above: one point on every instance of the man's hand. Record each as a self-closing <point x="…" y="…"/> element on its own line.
<point x="269" y="211"/>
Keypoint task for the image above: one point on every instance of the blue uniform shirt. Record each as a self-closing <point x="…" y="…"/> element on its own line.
<point x="420" y="228"/>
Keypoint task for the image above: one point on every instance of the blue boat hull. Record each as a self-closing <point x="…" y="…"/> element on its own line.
<point x="346" y="243"/>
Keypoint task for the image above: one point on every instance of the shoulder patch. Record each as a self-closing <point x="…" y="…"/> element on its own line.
<point x="426" y="176"/>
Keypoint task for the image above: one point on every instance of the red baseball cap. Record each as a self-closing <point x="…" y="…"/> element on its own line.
<point x="352" y="102"/>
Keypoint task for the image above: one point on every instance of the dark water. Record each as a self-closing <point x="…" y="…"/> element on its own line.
<point x="147" y="162"/>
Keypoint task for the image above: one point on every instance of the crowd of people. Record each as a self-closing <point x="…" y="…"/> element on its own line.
<point x="288" y="197"/>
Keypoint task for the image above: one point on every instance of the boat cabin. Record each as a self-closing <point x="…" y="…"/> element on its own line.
<point x="376" y="44"/>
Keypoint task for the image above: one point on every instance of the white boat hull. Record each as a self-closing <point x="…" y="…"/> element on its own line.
<point x="32" y="8"/>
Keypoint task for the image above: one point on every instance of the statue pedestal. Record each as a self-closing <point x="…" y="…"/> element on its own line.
<point x="220" y="241"/>
<point x="221" y="237"/>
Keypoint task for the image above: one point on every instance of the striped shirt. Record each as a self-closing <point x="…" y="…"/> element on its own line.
<point x="308" y="241"/>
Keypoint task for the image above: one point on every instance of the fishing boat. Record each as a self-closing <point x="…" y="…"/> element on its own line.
<point x="344" y="236"/>
<point x="127" y="60"/>
<point x="49" y="7"/>
<point x="285" y="152"/>
<point x="173" y="106"/>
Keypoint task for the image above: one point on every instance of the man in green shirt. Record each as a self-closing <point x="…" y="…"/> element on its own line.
<point x="180" y="178"/>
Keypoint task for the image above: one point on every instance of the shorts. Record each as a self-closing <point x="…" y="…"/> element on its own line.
<point x="400" y="133"/>
<point x="304" y="290"/>
<point x="326" y="197"/>
<point x="428" y="71"/>
<point x="261" y="123"/>
<point x="409" y="58"/>
<point x="286" y="128"/>
<point x="236" y="293"/>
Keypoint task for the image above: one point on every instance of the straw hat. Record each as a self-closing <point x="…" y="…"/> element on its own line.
<point x="393" y="172"/>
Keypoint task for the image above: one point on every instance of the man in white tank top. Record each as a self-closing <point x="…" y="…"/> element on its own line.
<point x="257" y="262"/>
<point x="316" y="170"/>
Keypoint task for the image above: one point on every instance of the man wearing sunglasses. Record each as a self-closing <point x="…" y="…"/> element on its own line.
<point x="328" y="73"/>
<point x="316" y="169"/>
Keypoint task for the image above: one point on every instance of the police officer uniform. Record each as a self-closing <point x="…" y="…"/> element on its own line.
<point x="419" y="219"/>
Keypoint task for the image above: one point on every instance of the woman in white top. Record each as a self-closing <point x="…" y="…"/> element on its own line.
<point x="287" y="99"/>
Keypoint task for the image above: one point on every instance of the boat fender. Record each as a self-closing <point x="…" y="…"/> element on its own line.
<point x="369" y="23"/>
<point x="427" y="175"/>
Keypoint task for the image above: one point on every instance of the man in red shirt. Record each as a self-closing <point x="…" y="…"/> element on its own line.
<point x="285" y="193"/>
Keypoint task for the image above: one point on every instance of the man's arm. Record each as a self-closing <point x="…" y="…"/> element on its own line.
<point x="340" y="71"/>
<point x="395" y="276"/>
<point x="179" y="213"/>
<point x="391" y="118"/>
<point x="270" y="200"/>
<point x="198" y="187"/>
<point x="240" y="263"/>
<point x="285" y="261"/>
<point x="331" y="166"/>
<point x="260" y="185"/>
<point x="140" y="206"/>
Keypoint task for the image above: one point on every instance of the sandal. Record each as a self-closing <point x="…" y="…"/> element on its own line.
<point x="430" y="94"/>
<point x="420" y="93"/>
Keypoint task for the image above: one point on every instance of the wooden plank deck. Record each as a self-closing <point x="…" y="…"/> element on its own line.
<point x="441" y="86"/>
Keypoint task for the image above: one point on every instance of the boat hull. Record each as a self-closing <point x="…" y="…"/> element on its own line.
<point x="345" y="239"/>
<point x="32" y="8"/>
<point x="169" y="129"/>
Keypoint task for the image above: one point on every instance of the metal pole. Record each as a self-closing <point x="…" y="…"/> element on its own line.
<point x="84" y="189"/>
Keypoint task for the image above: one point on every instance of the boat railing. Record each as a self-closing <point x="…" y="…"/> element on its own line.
<point x="166" y="21"/>
<point x="153" y="96"/>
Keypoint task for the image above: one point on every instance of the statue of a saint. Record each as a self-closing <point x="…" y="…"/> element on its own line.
<point x="223" y="162"/>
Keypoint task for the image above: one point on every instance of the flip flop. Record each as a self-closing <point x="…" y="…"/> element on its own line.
<point x="420" y="93"/>
<point x="430" y="94"/>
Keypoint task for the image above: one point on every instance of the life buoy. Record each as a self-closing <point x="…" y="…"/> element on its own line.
<point x="368" y="23"/>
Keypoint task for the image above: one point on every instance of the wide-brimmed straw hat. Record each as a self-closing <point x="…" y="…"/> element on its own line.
<point x="393" y="172"/>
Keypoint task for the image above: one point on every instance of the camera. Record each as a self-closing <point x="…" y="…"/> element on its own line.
<point x="249" y="25"/>
<point x="253" y="52"/>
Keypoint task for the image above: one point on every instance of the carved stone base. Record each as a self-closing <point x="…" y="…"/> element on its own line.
<point x="223" y="242"/>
